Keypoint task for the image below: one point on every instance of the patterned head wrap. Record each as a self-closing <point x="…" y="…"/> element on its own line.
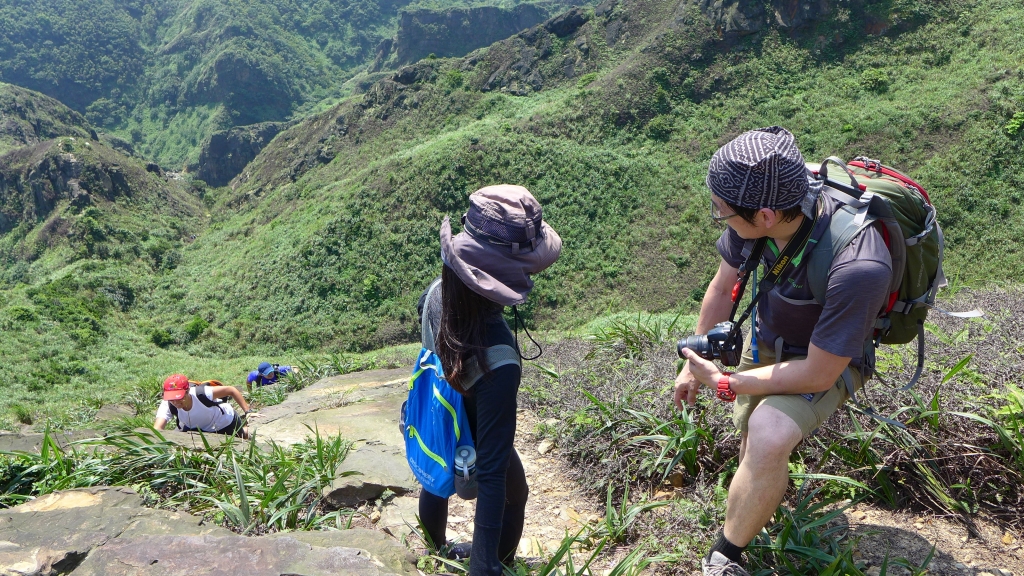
<point x="759" y="169"/>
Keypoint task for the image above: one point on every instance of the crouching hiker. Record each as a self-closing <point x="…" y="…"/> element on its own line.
<point x="811" y="356"/>
<point x="202" y="406"/>
<point x="266" y="374"/>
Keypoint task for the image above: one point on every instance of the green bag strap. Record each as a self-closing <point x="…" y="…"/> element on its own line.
<point x="451" y="410"/>
<point x="846" y="223"/>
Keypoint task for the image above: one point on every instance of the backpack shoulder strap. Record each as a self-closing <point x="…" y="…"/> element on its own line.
<point x="496" y="356"/>
<point x="846" y="223"/>
<point x="426" y="332"/>
<point x="174" y="414"/>
<point x="201" y="395"/>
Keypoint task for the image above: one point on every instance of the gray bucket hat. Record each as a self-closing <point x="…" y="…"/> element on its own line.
<point x="504" y="240"/>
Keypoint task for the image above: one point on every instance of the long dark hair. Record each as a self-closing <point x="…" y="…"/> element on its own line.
<point x="461" y="333"/>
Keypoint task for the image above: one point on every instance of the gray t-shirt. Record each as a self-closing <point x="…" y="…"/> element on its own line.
<point x="858" y="283"/>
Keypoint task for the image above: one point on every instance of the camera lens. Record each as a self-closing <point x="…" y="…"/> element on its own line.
<point x="698" y="344"/>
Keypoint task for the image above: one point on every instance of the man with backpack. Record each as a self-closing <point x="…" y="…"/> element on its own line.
<point x="809" y="357"/>
<point x="202" y="406"/>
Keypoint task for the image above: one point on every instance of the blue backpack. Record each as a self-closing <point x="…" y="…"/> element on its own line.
<point x="435" y="424"/>
<point x="433" y="419"/>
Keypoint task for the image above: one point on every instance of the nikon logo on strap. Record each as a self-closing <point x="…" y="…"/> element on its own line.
<point x="780" y="265"/>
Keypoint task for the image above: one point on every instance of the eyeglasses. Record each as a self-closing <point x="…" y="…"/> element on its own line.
<point x="717" y="216"/>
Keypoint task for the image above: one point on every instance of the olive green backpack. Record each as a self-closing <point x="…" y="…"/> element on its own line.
<point x="873" y="194"/>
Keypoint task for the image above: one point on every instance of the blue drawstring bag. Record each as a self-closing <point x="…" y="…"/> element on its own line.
<point x="434" y="424"/>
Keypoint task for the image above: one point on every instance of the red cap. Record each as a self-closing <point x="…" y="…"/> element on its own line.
<point x="175" y="387"/>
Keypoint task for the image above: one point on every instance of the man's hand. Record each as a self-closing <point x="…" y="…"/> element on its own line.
<point x="686" y="387"/>
<point x="252" y="415"/>
<point x="695" y="372"/>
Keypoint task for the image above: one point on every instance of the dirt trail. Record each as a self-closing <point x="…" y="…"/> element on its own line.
<point x="556" y="505"/>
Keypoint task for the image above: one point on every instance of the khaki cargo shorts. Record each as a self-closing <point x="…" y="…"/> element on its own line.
<point x="808" y="411"/>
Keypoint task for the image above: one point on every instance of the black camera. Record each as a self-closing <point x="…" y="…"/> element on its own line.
<point x="718" y="344"/>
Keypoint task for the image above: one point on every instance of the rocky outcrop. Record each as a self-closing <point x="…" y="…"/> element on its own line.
<point x="361" y="407"/>
<point x="33" y="179"/>
<point x="735" y="18"/>
<point x="798" y="14"/>
<point x="566" y="23"/>
<point x="458" y="31"/>
<point x="225" y="154"/>
<point x="107" y="531"/>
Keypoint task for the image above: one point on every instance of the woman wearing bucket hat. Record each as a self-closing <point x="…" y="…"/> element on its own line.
<point x="487" y="266"/>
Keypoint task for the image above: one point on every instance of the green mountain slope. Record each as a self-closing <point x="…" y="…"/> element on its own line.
<point x="86" y="233"/>
<point x="608" y="115"/>
<point x="166" y="75"/>
<point x="344" y="208"/>
<point x="27" y="117"/>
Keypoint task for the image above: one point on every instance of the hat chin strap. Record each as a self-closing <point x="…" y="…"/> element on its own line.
<point x="519" y="321"/>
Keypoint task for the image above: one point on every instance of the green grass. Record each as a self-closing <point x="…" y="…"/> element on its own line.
<point x="247" y="489"/>
<point x="958" y="456"/>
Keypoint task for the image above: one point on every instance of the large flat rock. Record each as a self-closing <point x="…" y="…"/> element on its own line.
<point x="227" y="556"/>
<point x="107" y="531"/>
<point x="362" y="407"/>
<point x="375" y="467"/>
<point x="54" y="533"/>
<point x="33" y="441"/>
<point x="349" y="404"/>
<point x="399" y="517"/>
<point x="381" y="547"/>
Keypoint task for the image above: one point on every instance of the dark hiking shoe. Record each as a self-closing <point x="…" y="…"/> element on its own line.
<point x="719" y="565"/>
<point x="458" y="550"/>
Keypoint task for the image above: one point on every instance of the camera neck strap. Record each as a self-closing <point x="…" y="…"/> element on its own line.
<point x="772" y="276"/>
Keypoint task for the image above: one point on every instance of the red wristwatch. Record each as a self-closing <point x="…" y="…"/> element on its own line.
<point x="725" y="393"/>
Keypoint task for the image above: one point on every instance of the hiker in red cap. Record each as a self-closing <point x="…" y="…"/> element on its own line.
<point x="201" y="406"/>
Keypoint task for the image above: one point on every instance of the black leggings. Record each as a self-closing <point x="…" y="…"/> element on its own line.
<point x="501" y="502"/>
<point x="434" y="512"/>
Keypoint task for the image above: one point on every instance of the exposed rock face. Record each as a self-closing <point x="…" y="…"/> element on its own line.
<point x="107" y="531"/>
<point x="567" y="23"/>
<point x="734" y="18"/>
<point x="458" y="31"/>
<point x="34" y="178"/>
<point x="227" y="153"/>
<point x="796" y="14"/>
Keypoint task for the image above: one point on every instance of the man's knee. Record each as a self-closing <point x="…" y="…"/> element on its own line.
<point x="771" y="434"/>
